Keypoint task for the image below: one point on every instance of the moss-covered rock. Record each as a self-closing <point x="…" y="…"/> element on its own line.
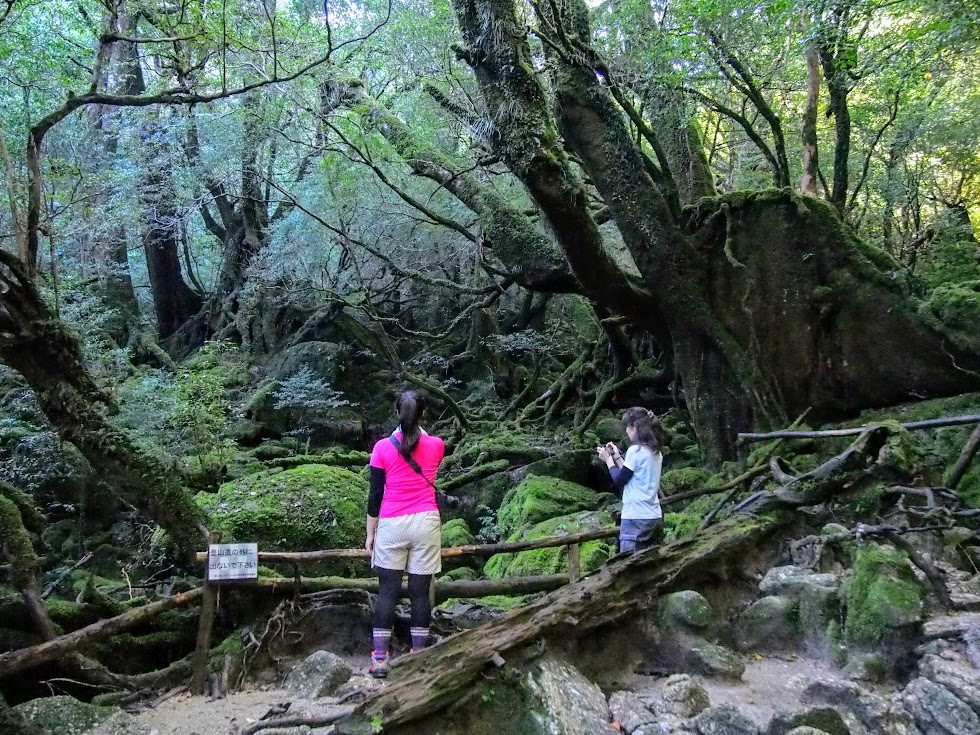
<point x="463" y="574"/>
<point x="307" y="508"/>
<point x="537" y="499"/>
<point x="711" y="659"/>
<point x="504" y="442"/>
<point x="686" y="479"/>
<point x="956" y="306"/>
<point x="686" y="608"/>
<point x="881" y="595"/>
<point x="575" y="466"/>
<point x="63" y="715"/>
<point x="456" y="533"/>
<point x="768" y="624"/>
<point x="554" y="560"/>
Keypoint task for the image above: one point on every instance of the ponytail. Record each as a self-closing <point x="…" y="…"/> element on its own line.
<point x="410" y="407"/>
<point x="649" y="432"/>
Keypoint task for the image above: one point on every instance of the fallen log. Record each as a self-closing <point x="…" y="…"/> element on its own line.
<point x="24" y="658"/>
<point x="962" y="463"/>
<point x="426" y="682"/>
<point x="485" y="550"/>
<point x="444" y="590"/>
<point x="855" y="431"/>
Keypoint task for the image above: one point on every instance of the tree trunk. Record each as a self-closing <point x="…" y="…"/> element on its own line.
<point x="840" y="335"/>
<point x="39" y="346"/>
<point x="811" y="166"/>
<point x="838" y="89"/>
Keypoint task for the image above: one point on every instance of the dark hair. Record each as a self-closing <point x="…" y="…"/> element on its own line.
<point x="647" y="425"/>
<point x="410" y="407"/>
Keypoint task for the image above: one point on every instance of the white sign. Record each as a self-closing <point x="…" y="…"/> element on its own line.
<point x="233" y="561"/>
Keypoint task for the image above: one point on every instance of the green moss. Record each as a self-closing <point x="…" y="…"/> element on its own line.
<point x="957" y="307"/>
<point x="456" y="533"/>
<point x="881" y="594"/>
<point x="503" y="443"/>
<point x="537" y="499"/>
<point x="63" y="715"/>
<point x="233" y="646"/>
<point x="71" y="615"/>
<point x="554" y="560"/>
<point x="463" y="574"/>
<point x="686" y="479"/>
<point x="307" y="508"/>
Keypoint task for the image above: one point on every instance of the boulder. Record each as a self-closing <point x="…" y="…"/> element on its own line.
<point x="554" y="560"/>
<point x="308" y="508"/>
<point x="629" y="711"/>
<point x="883" y="597"/>
<point x="456" y="533"/>
<point x="937" y="711"/>
<point x="790" y="580"/>
<point x="569" y="704"/>
<point x="711" y="659"/>
<point x="725" y="720"/>
<point x="688" y="609"/>
<point x="806" y="730"/>
<point x="768" y="624"/>
<point x="683" y="697"/>
<point x="963" y="682"/>
<point x="63" y="715"/>
<point x="320" y="675"/>
<point x="867" y="707"/>
<point x="823" y="719"/>
<point x="537" y="499"/>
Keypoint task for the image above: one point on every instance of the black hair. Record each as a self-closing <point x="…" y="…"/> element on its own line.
<point x="647" y="425"/>
<point x="410" y="408"/>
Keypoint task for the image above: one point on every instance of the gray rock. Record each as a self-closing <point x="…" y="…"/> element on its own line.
<point x="688" y="609"/>
<point x="961" y="681"/>
<point x="951" y="626"/>
<point x="320" y="675"/>
<point x="789" y="580"/>
<point x="570" y="703"/>
<point x="869" y="708"/>
<point x="806" y="730"/>
<point x="711" y="659"/>
<point x="767" y="624"/>
<point x="683" y="697"/>
<point x="63" y="715"/>
<point x="121" y="723"/>
<point x="938" y="711"/>
<point x="629" y="711"/>
<point x="826" y="719"/>
<point x="725" y="720"/>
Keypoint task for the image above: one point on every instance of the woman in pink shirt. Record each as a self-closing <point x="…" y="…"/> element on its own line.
<point x="403" y="526"/>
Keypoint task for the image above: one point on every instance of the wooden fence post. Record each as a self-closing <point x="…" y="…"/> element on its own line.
<point x="209" y="609"/>
<point x="574" y="563"/>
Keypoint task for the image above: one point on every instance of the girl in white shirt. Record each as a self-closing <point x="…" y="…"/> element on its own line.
<point x="638" y="476"/>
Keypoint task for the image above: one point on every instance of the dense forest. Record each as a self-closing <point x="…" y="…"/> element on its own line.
<point x="232" y="232"/>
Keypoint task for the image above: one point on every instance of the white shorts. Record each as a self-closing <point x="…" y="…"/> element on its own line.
<point x="409" y="543"/>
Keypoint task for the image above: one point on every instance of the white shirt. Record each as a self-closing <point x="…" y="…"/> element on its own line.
<point x="641" y="499"/>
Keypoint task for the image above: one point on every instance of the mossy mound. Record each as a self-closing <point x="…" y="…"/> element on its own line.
<point x="957" y="307"/>
<point x="684" y="523"/>
<point x="63" y="715"/>
<point x="456" y="533"/>
<point x="881" y="595"/>
<point x="537" y="499"/>
<point x="555" y="560"/>
<point x="303" y="509"/>
<point x="686" y="479"/>
<point x="503" y="443"/>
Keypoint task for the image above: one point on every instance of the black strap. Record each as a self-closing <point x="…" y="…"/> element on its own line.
<point x="412" y="463"/>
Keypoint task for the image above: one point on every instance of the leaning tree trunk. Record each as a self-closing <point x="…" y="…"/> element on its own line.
<point x="40" y="347"/>
<point x="774" y="305"/>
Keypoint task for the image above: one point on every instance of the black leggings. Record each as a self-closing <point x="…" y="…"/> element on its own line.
<point x="389" y="587"/>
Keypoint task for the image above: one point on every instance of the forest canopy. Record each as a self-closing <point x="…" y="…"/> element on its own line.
<point x="754" y="211"/>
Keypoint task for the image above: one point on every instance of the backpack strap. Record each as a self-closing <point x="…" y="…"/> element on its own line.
<point x="411" y="462"/>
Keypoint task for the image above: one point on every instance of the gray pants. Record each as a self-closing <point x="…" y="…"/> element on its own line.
<point x="637" y="534"/>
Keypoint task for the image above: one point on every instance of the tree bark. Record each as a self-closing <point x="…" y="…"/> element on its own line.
<point x="39" y="346"/>
<point x="811" y="165"/>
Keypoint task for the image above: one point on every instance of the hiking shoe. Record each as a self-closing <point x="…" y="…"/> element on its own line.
<point x="379" y="666"/>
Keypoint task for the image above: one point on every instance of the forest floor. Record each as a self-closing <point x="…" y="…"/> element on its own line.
<point x="770" y="684"/>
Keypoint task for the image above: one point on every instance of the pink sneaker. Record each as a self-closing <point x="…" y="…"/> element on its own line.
<point x="379" y="666"/>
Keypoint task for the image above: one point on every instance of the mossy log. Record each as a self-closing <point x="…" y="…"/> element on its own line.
<point x="37" y="344"/>
<point x="443" y="590"/>
<point x="24" y="658"/>
<point x="424" y="683"/>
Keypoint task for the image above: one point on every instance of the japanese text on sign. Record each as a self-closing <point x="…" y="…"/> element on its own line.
<point x="233" y="561"/>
